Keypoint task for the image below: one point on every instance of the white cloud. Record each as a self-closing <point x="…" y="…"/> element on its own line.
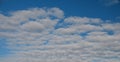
<point x="56" y="12"/>
<point x="33" y="26"/>
<point x="32" y="36"/>
<point x="82" y="20"/>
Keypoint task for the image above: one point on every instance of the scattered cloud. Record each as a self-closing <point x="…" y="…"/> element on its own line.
<point x="45" y="35"/>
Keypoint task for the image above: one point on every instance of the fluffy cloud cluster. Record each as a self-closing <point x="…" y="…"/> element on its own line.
<point x="45" y="35"/>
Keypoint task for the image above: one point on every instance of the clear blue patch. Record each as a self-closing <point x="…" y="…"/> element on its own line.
<point x="32" y="19"/>
<point x="110" y="32"/>
<point x="3" y="47"/>
<point x="60" y="24"/>
<point x="46" y="43"/>
<point x="84" y="34"/>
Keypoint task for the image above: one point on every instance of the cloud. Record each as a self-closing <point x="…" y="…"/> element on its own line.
<point x="33" y="26"/>
<point x="45" y="35"/>
<point x="110" y="2"/>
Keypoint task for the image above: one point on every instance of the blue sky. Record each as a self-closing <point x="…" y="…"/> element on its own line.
<point x="83" y="8"/>
<point x="60" y="30"/>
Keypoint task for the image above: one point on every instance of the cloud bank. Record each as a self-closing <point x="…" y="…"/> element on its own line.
<point x="46" y="35"/>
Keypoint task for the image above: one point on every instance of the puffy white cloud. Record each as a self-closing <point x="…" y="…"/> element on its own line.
<point x="33" y="26"/>
<point x="38" y="35"/>
<point x="112" y="27"/>
<point x="56" y="12"/>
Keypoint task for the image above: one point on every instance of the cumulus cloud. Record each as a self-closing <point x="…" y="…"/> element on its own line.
<point x="33" y="26"/>
<point x="45" y="35"/>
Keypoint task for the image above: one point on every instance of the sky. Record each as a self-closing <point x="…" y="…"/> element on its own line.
<point x="59" y="31"/>
<point x="83" y="8"/>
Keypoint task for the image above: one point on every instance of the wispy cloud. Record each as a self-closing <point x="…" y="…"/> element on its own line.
<point x="110" y="2"/>
<point x="44" y="35"/>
